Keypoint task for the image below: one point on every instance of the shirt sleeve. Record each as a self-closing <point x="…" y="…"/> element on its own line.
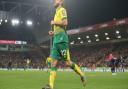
<point x="63" y="14"/>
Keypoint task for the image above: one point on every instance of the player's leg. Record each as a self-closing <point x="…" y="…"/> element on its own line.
<point x="64" y="51"/>
<point x="55" y="57"/>
<point x="77" y="69"/>
<point x="113" y="67"/>
<point x="49" y="63"/>
<point x="52" y="76"/>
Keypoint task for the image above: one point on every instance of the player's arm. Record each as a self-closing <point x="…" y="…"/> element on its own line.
<point x="63" y="22"/>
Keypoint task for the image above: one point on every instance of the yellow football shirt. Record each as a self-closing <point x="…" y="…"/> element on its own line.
<point x="59" y="16"/>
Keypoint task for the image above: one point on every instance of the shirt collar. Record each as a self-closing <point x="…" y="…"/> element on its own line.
<point x="58" y="8"/>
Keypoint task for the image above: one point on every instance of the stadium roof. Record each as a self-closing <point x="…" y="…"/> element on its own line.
<point x="81" y="13"/>
<point x="109" y="32"/>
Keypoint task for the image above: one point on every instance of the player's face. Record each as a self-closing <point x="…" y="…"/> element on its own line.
<point x="58" y="2"/>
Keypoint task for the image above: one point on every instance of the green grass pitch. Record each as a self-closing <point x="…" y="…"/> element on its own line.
<point x="65" y="80"/>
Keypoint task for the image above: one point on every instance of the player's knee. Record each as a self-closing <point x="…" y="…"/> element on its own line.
<point x="53" y="66"/>
<point x="54" y="63"/>
<point x="69" y="63"/>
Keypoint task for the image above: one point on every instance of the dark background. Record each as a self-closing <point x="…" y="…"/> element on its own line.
<point x="81" y="13"/>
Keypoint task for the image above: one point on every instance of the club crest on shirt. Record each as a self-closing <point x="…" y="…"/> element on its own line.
<point x="63" y="13"/>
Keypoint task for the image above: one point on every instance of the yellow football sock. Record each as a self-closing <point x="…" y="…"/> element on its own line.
<point x="52" y="77"/>
<point x="77" y="69"/>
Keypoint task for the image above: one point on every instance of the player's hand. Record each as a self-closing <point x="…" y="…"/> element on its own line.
<point x="52" y="22"/>
<point x="51" y="33"/>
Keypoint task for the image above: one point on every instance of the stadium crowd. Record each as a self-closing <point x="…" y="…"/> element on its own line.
<point x="85" y="56"/>
<point x="20" y="60"/>
<point x="97" y="56"/>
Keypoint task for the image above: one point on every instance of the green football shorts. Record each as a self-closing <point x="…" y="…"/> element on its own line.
<point x="60" y="51"/>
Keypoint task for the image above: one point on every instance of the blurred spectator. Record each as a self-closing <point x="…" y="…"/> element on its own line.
<point x="85" y="56"/>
